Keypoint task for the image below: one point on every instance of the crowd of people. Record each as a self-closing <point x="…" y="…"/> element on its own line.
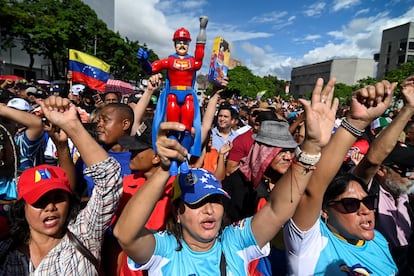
<point x="320" y="192"/>
<point x="111" y="184"/>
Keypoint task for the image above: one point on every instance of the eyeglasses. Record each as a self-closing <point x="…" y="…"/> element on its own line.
<point x="351" y="205"/>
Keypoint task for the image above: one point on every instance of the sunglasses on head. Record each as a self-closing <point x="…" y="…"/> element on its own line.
<point x="351" y="205"/>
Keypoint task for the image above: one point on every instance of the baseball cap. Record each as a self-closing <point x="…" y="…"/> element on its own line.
<point x="401" y="156"/>
<point x="55" y="89"/>
<point x="31" y="90"/>
<point x="37" y="93"/>
<point x="37" y="181"/>
<point x="20" y="104"/>
<point x="134" y="98"/>
<point x="197" y="185"/>
<point x="142" y="139"/>
<point x="361" y="145"/>
<point x="78" y="89"/>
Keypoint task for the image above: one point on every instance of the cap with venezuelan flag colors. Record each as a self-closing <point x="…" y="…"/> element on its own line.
<point x="37" y="181"/>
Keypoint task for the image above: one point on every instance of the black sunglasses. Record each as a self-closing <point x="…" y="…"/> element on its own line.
<point x="351" y="205"/>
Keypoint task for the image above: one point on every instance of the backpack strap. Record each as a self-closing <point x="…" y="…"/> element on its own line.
<point x="223" y="265"/>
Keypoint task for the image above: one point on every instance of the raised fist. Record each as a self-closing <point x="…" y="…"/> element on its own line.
<point x="142" y="54"/>
<point x="203" y="22"/>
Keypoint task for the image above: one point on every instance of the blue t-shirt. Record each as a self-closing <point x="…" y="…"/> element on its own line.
<point x="8" y="188"/>
<point x="319" y="252"/>
<point x="31" y="151"/>
<point x="123" y="157"/>
<point x="237" y="243"/>
<point x="219" y="141"/>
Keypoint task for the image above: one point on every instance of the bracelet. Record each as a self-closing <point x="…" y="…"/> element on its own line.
<point x="305" y="158"/>
<point x="306" y="168"/>
<point x="351" y="129"/>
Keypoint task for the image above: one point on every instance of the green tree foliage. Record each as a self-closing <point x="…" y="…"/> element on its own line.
<point x="279" y="86"/>
<point x="343" y="92"/>
<point x="244" y="83"/>
<point x="49" y="28"/>
<point x="364" y="82"/>
<point x="400" y="74"/>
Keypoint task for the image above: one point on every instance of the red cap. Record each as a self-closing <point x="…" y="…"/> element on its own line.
<point x="182" y="34"/>
<point x="37" y="181"/>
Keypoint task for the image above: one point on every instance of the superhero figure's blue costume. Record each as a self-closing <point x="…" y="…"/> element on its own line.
<point x="193" y="147"/>
<point x="178" y="101"/>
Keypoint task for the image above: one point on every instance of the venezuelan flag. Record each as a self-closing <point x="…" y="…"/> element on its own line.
<point x="88" y="69"/>
<point x="260" y="94"/>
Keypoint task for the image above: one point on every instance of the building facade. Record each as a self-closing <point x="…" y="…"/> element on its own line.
<point x="397" y="47"/>
<point x="347" y="71"/>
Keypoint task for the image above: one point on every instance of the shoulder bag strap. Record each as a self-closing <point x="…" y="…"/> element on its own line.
<point x="222" y="265"/>
<point x="83" y="250"/>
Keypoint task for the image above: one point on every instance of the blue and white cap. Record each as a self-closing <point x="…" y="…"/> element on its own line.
<point x="196" y="186"/>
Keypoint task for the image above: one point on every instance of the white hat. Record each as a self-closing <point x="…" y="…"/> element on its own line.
<point x="31" y="89"/>
<point x="77" y="89"/>
<point x="20" y="104"/>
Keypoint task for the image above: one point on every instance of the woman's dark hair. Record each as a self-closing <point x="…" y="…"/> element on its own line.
<point x="174" y="228"/>
<point x="19" y="228"/>
<point x="339" y="185"/>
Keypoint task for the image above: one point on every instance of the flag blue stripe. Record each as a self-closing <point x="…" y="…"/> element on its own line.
<point x="88" y="70"/>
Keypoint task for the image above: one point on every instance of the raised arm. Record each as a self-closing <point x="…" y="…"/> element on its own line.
<point x="366" y="104"/>
<point x="320" y="118"/>
<point x="134" y="238"/>
<point x="60" y="139"/>
<point x="386" y="140"/>
<point x="62" y="113"/>
<point x="139" y="109"/>
<point x="211" y="110"/>
<point x="33" y="123"/>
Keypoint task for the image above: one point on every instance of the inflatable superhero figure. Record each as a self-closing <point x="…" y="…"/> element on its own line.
<point x="178" y="101"/>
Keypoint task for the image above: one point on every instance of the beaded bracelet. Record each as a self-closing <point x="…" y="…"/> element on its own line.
<point x="305" y="158"/>
<point x="351" y="129"/>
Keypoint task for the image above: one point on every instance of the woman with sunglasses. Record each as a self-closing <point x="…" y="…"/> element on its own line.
<point x="332" y="230"/>
<point x="198" y="241"/>
<point x="388" y="168"/>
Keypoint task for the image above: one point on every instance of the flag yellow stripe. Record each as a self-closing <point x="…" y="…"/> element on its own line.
<point x="88" y="59"/>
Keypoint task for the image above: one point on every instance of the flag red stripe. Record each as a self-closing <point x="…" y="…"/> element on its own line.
<point x="89" y="81"/>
